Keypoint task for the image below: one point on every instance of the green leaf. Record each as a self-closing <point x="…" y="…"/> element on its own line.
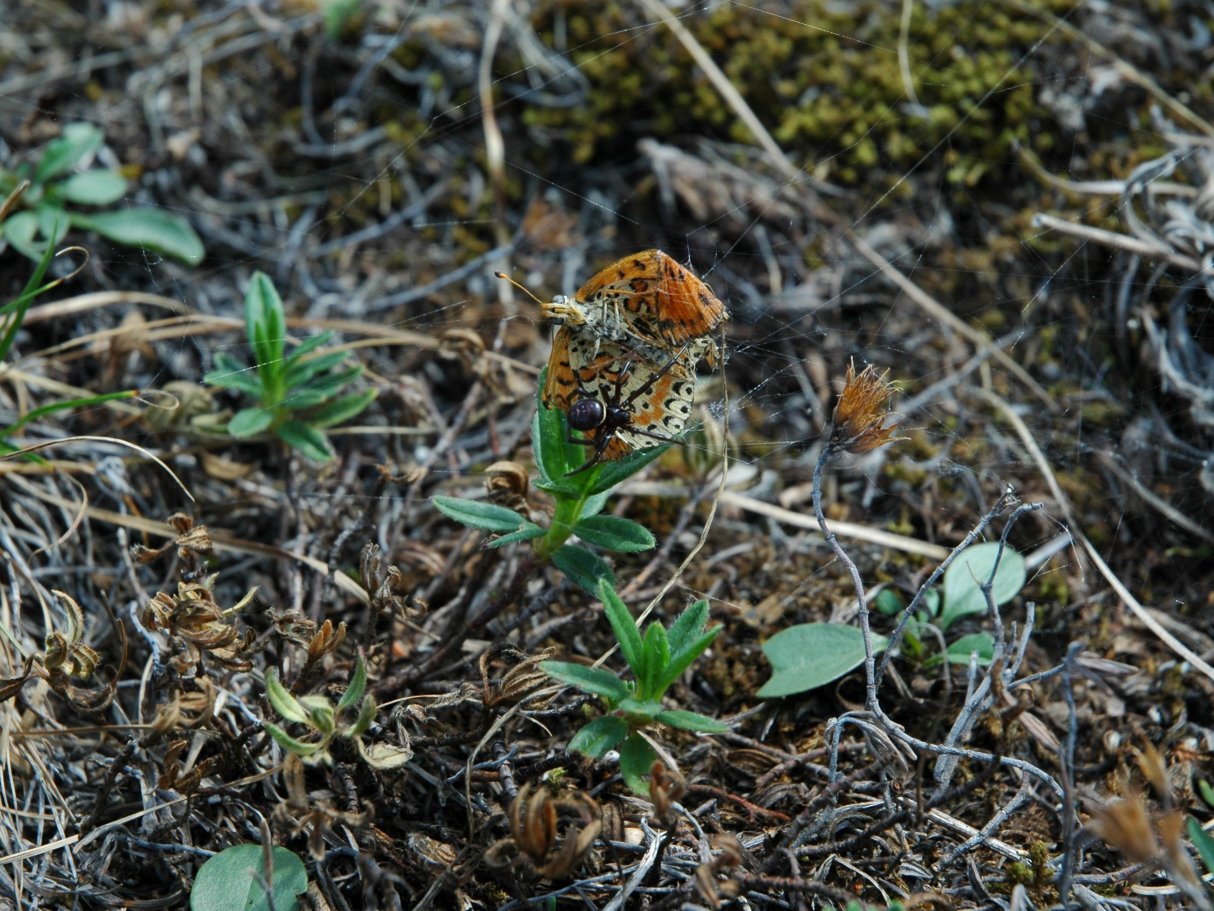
<point x="341" y="410"/>
<point x="53" y="223"/>
<point x="640" y="712"/>
<point x="599" y="736"/>
<point x="154" y="229"/>
<point x="366" y="714"/>
<point x="299" y="372"/>
<point x="692" y="721"/>
<point x="281" y="700"/>
<point x="78" y="141"/>
<point x="300" y="399"/>
<point x="959" y="651"/>
<point x="582" y="567"/>
<point x="338" y="14"/>
<point x="229" y="373"/>
<point x="590" y="679"/>
<point x="1206" y="791"/>
<point x="14" y="311"/>
<point x="19" y="230"/>
<point x="250" y="422"/>
<point x="687" y="626"/>
<point x="94" y="188"/>
<point x="300" y="748"/>
<point x="593" y="505"/>
<point x="889" y="603"/>
<point x="265" y="324"/>
<point x="615" y="472"/>
<point x="972" y="568"/>
<point x="615" y="533"/>
<point x="476" y="514"/>
<point x="932" y="602"/>
<point x="356" y="688"/>
<point x="636" y="759"/>
<point x="655" y="656"/>
<point x="681" y="660"/>
<point x="305" y="439"/>
<point x="548" y="439"/>
<point x="622" y="624"/>
<point x="528" y="532"/>
<point x="308" y="345"/>
<point x="235" y="880"/>
<point x="811" y="655"/>
<point x="1203" y="842"/>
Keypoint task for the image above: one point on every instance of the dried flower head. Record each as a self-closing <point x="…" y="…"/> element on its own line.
<point x="860" y="422"/>
<point x="197" y="625"/>
<point x="551" y="833"/>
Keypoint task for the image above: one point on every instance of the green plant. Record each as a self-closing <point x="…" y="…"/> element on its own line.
<point x="811" y="655"/>
<point x="52" y="188"/>
<point x="962" y="596"/>
<point x="1203" y="841"/>
<point x="239" y="879"/>
<point x="12" y="314"/>
<point x="579" y="498"/>
<point x="298" y="395"/>
<point x="325" y="722"/>
<point x="656" y="660"/>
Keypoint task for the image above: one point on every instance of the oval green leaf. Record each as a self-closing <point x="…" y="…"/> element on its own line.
<point x="94" y="188"/>
<point x="78" y="141"/>
<point x="154" y="229"/>
<point x="972" y="568"/>
<point x="475" y="514"/>
<point x="599" y="736"/>
<point x="582" y="567"/>
<point x="615" y="533"/>
<point x="250" y="422"/>
<point x="636" y="759"/>
<point x="235" y="878"/>
<point x="813" y="654"/>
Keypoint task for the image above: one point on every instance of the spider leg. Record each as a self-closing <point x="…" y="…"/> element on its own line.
<point x="600" y="446"/>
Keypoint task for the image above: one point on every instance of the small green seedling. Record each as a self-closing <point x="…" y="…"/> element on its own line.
<point x="579" y="498"/>
<point x="325" y="722"/>
<point x="656" y="660"/>
<point x="962" y="596"/>
<point x="298" y="395"/>
<point x="54" y="188"/>
<point x="236" y="879"/>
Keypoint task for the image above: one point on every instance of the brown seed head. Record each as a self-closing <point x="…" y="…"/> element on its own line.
<point x="860" y="422"/>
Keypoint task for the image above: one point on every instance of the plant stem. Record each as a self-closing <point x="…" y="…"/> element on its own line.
<point x="566" y="515"/>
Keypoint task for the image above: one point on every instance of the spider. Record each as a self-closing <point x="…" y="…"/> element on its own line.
<point x="663" y="399"/>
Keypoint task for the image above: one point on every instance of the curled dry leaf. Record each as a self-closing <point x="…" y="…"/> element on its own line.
<point x="666" y="788"/>
<point x="386" y="588"/>
<point x="524" y="678"/>
<point x="193" y="543"/>
<point x="507" y="484"/>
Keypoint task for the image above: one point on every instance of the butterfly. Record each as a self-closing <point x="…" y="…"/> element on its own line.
<point x="615" y="395"/>
<point x="649" y="302"/>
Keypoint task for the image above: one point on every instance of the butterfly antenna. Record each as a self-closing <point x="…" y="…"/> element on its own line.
<point x="520" y="286"/>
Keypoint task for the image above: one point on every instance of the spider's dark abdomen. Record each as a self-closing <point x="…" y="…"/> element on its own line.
<point x="586" y="414"/>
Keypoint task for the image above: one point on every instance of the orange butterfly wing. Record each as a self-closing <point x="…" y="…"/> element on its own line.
<point x="655" y="297"/>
